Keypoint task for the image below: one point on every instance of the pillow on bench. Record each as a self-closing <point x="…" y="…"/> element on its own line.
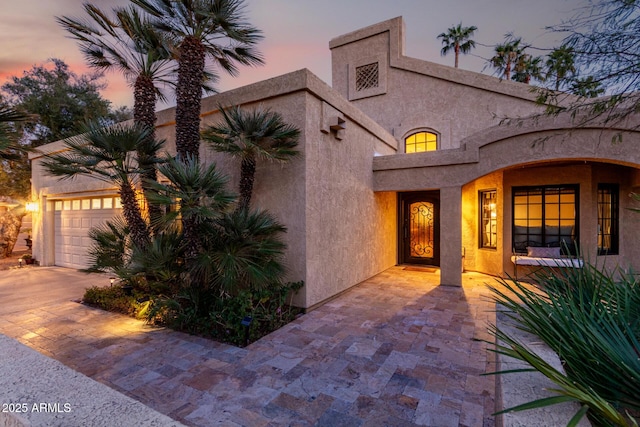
<point x="542" y="252"/>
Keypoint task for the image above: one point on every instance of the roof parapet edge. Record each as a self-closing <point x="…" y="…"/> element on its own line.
<point x="371" y="30"/>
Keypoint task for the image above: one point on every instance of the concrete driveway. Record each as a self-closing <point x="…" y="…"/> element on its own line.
<point x="26" y="288"/>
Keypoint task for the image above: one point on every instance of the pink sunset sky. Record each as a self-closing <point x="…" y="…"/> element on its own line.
<point x="297" y="32"/>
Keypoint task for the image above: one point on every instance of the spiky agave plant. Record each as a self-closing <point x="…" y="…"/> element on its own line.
<point x="590" y="318"/>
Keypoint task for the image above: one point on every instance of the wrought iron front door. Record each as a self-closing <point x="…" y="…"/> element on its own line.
<point x="420" y="228"/>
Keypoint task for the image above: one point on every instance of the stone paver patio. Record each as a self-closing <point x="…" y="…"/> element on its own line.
<point x="396" y="350"/>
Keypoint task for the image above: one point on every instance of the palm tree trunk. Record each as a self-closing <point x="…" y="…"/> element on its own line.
<point x="188" y="104"/>
<point x="247" y="174"/>
<point x="457" y="52"/>
<point x="188" y="97"/>
<point x="144" y="114"/>
<point x="131" y="212"/>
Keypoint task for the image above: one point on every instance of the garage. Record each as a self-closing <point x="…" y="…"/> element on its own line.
<point x="73" y="220"/>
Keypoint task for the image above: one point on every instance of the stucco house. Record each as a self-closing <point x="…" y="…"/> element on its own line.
<point x="404" y="162"/>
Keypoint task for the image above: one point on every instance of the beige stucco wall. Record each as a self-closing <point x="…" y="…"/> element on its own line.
<point x="478" y="258"/>
<point x="350" y="232"/>
<point x="339" y="232"/>
<point x="629" y="220"/>
<point x="539" y="152"/>
<point x="452" y="102"/>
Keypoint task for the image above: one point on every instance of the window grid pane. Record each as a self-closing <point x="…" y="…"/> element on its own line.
<point x="489" y="219"/>
<point x="608" y="219"/>
<point x="545" y="216"/>
<point x="421" y="142"/>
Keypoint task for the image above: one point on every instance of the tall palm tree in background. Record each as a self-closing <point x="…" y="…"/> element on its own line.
<point x="129" y="44"/>
<point x="107" y="154"/>
<point x="252" y="135"/>
<point x="201" y="30"/>
<point x="560" y="65"/>
<point x="506" y="56"/>
<point x="528" y="67"/>
<point x="458" y="40"/>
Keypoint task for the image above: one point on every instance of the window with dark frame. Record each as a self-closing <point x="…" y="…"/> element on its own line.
<point x="546" y="216"/>
<point x="488" y="219"/>
<point x="608" y="219"/>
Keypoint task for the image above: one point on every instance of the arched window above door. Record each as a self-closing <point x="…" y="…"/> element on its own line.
<point x="421" y="141"/>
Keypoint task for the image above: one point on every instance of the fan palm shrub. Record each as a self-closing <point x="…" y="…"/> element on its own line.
<point x="235" y="249"/>
<point x="194" y="195"/>
<point x="590" y="317"/>
<point x="238" y="267"/>
<point x="236" y="271"/>
<point x="109" y="154"/>
<point x="246" y="251"/>
<point x="108" y="251"/>
<point x="250" y="136"/>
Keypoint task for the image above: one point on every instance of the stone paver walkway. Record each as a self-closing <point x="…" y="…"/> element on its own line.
<point x="396" y="350"/>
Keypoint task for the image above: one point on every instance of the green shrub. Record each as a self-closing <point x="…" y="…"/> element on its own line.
<point x="266" y="307"/>
<point x="110" y="298"/>
<point x="207" y="265"/>
<point x="221" y="317"/>
<point x="590" y="317"/>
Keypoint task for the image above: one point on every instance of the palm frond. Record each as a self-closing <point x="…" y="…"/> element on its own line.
<point x="258" y="133"/>
<point x="590" y="318"/>
<point x="197" y="192"/>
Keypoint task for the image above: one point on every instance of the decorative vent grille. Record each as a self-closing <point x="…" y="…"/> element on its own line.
<point x="366" y="76"/>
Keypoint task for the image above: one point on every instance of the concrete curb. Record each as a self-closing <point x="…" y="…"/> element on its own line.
<point x="38" y="391"/>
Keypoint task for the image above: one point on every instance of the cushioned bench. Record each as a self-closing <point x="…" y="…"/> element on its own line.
<point x="545" y="257"/>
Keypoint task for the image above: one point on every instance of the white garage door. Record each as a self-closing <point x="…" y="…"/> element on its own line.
<point x="73" y="220"/>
